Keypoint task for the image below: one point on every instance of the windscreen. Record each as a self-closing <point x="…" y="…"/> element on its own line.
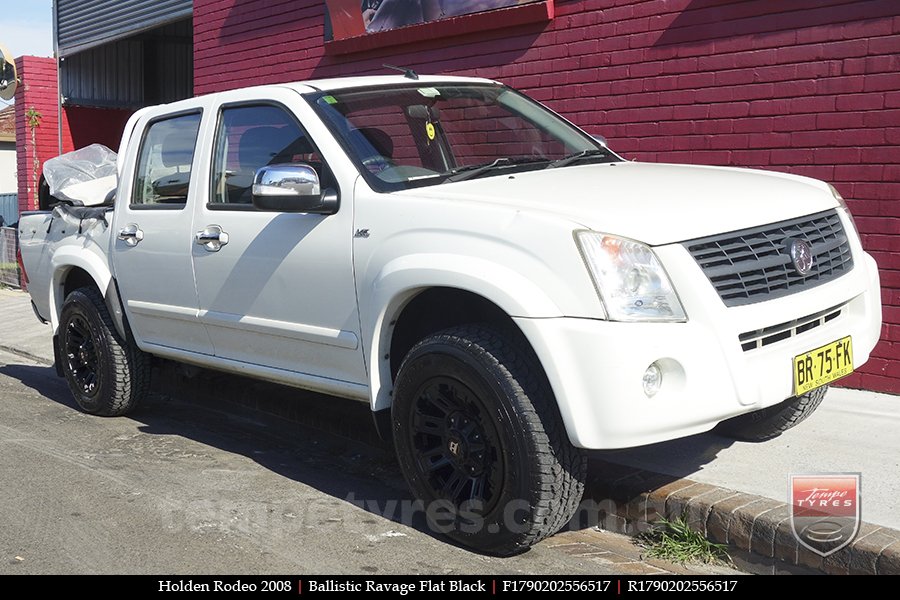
<point x="414" y="135"/>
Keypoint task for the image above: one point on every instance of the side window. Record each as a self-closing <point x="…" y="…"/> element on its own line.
<point x="164" y="164"/>
<point x="250" y="137"/>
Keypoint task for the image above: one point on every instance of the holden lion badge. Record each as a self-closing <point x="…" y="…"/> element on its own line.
<point x="825" y="510"/>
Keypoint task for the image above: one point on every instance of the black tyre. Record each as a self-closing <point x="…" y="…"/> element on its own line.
<point x="107" y="375"/>
<point x="481" y="443"/>
<point x="768" y="423"/>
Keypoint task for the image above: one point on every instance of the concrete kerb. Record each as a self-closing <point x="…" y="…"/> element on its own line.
<point x="756" y="529"/>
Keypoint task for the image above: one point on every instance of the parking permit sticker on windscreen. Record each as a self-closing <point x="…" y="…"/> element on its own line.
<point x="429" y="92"/>
<point x="429" y="130"/>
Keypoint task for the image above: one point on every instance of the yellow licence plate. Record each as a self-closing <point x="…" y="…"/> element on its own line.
<point x="823" y="365"/>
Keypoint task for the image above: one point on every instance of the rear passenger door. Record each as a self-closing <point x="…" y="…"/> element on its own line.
<point x="277" y="291"/>
<point x="154" y="235"/>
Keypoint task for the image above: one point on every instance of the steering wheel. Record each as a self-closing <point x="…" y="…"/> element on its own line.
<point x="377" y="163"/>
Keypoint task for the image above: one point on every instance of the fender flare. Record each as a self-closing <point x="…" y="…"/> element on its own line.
<point x="404" y="278"/>
<point x="64" y="260"/>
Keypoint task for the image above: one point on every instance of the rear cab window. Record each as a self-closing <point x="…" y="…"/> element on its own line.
<point x="163" y="173"/>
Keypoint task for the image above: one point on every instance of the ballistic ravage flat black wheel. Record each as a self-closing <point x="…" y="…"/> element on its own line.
<point x="80" y="351"/>
<point x="107" y="375"/>
<point x="480" y="441"/>
<point x="456" y="444"/>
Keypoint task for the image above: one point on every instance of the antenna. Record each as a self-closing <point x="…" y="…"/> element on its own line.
<point x="8" y="79"/>
<point x="408" y="73"/>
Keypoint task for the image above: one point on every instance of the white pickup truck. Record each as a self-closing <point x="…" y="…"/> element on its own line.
<point x="503" y="289"/>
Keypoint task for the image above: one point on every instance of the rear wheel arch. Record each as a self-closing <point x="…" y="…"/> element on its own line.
<point x="75" y="277"/>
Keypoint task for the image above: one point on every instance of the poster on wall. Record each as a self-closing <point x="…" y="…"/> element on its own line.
<point x="351" y="18"/>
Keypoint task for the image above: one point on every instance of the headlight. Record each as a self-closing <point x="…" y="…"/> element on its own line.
<point x="632" y="284"/>
<point x="843" y="205"/>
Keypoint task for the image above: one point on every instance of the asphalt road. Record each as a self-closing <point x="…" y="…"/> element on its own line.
<point x="185" y="489"/>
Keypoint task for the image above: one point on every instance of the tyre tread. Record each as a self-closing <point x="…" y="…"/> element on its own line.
<point x="768" y="423"/>
<point x="560" y="468"/>
<point x="129" y="366"/>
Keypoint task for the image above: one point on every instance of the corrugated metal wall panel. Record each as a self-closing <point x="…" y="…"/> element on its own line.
<point x="169" y="63"/>
<point x="83" y="24"/>
<point x="9" y="208"/>
<point x="110" y="76"/>
<point x="149" y="68"/>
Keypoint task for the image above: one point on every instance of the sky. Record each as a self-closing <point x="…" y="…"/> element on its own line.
<point x="26" y="27"/>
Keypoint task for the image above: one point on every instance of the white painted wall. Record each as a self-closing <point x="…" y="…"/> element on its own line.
<point x="7" y="168"/>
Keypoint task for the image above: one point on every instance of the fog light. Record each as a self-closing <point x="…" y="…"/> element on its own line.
<point x="652" y="380"/>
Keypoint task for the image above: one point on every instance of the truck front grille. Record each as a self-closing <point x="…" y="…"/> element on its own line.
<point x="755" y="264"/>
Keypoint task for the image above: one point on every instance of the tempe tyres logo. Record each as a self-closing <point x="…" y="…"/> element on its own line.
<point x="825" y="510"/>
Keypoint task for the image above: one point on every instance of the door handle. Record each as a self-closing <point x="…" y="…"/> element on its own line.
<point x="131" y="234"/>
<point x="211" y="237"/>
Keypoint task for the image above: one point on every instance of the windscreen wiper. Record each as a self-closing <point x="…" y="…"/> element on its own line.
<point x="578" y="156"/>
<point x="472" y="171"/>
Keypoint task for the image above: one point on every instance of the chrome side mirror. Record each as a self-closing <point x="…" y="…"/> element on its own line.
<point x="292" y="187"/>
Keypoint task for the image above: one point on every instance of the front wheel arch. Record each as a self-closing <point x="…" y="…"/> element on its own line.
<point x="438" y="308"/>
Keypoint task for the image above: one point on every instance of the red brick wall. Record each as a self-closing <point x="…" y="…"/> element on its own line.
<point x="38" y="91"/>
<point x="805" y="86"/>
<point x="82" y="126"/>
<point x="96" y="125"/>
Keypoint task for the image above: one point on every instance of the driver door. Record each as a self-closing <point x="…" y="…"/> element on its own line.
<point x="276" y="290"/>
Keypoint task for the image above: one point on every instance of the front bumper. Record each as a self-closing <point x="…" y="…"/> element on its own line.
<point x="595" y="367"/>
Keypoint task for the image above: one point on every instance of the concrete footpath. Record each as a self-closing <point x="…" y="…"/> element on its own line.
<point x="735" y="492"/>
